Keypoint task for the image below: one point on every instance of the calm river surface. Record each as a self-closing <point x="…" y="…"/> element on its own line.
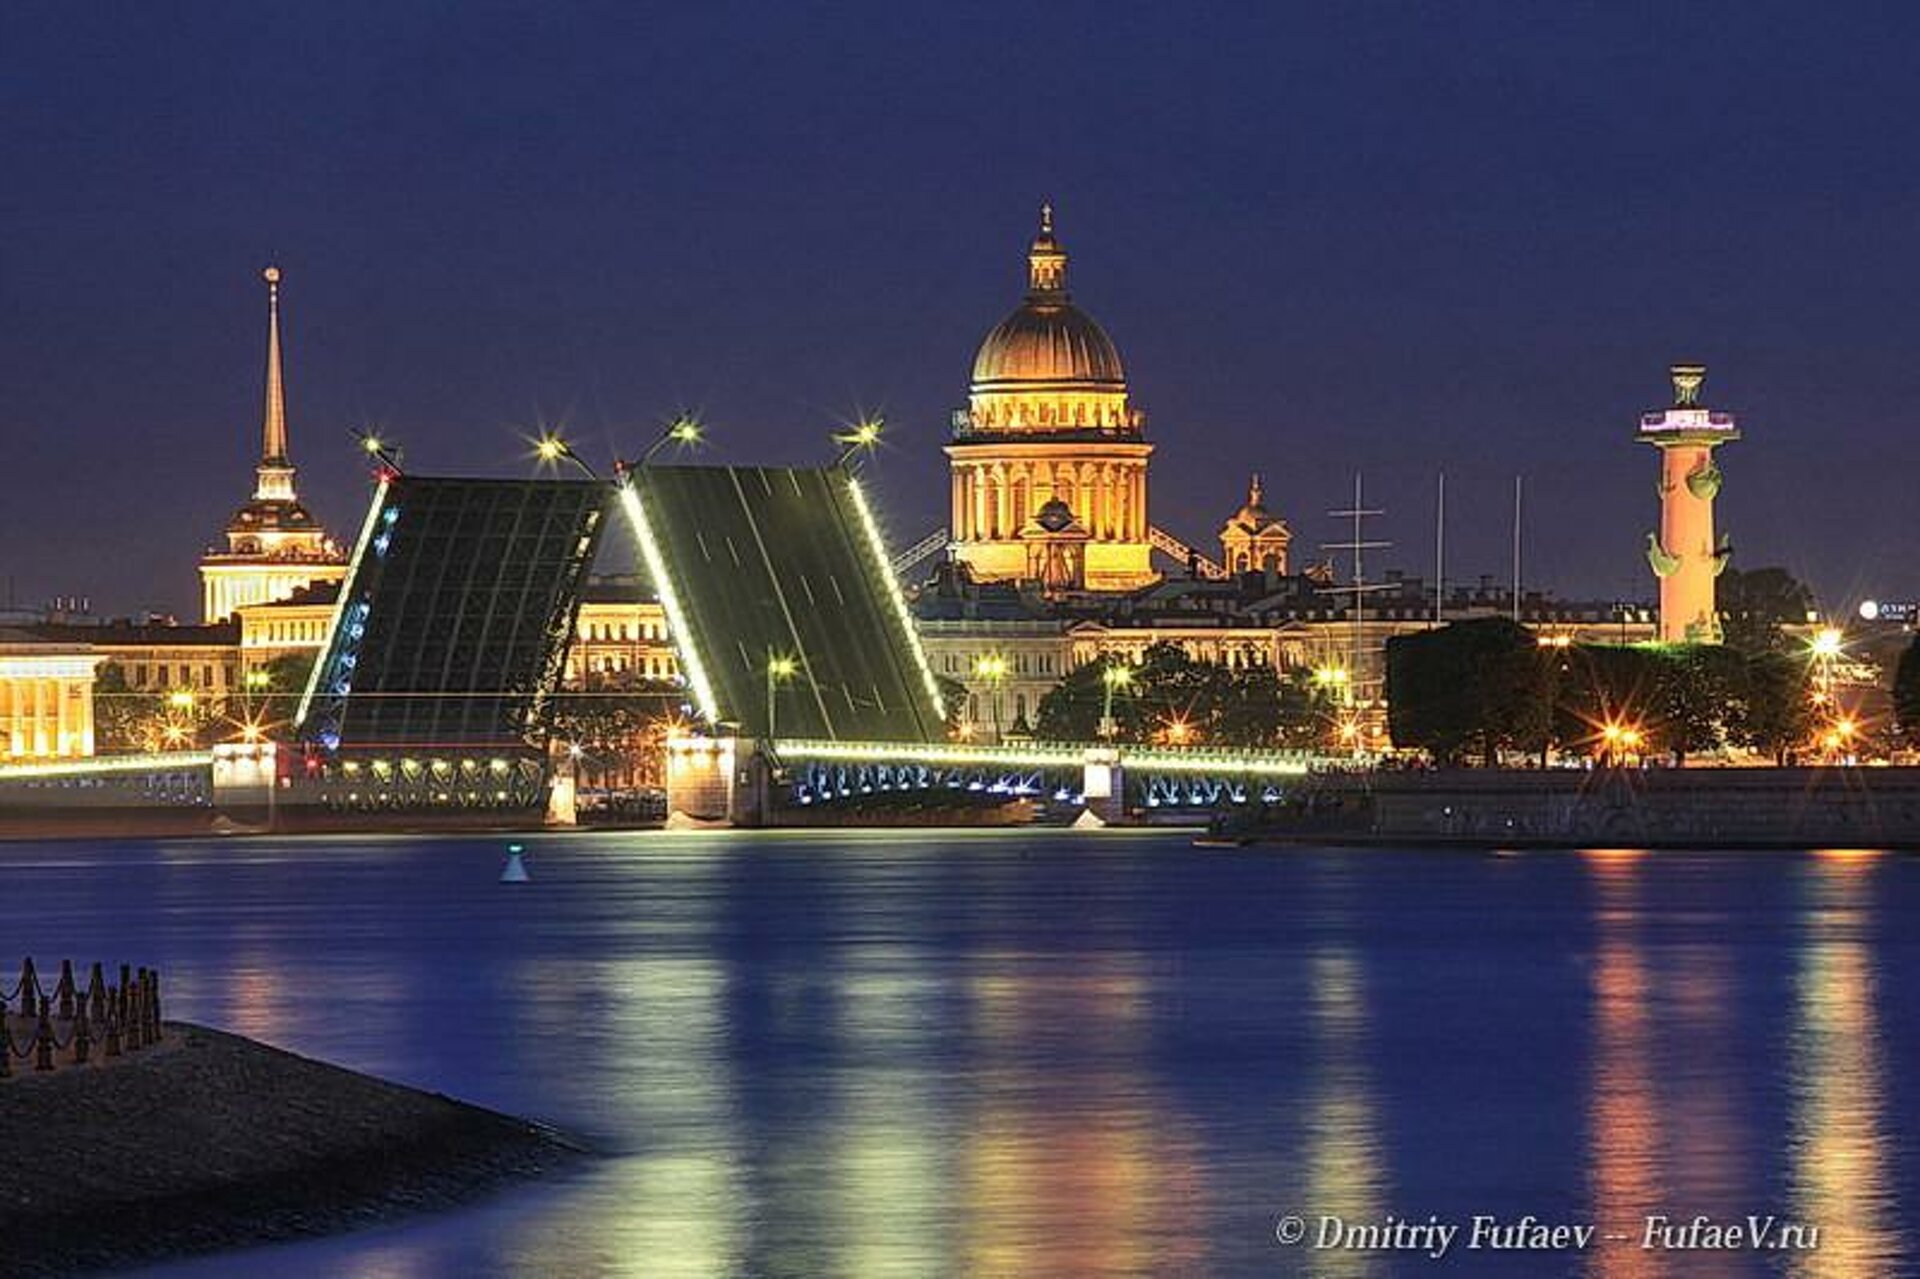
<point x="1063" y="1054"/>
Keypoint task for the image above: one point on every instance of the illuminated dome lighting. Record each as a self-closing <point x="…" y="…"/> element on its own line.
<point x="1048" y="366"/>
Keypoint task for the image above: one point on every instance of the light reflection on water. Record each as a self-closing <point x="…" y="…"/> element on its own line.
<point x="1059" y="1055"/>
<point x="1840" y="1143"/>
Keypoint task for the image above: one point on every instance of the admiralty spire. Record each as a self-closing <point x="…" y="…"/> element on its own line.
<point x="274" y="545"/>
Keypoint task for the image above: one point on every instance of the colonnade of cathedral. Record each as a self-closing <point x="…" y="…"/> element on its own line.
<point x="993" y="500"/>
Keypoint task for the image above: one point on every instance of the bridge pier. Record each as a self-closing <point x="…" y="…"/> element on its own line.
<point x="1104" y="784"/>
<point x="718" y="781"/>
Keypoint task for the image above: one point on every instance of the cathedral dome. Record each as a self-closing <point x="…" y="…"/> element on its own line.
<point x="1048" y="368"/>
<point x="1047" y="339"/>
<point x="1048" y="342"/>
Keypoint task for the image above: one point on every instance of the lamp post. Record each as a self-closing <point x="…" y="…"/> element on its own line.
<point x="551" y="448"/>
<point x="1113" y="677"/>
<point x="684" y="429"/>
<point x="862" y="438"/>
<point x="779" y="670"/>
<point x="993" y="669"/>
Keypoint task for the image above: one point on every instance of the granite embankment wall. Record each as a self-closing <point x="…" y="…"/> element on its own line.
<point x="1663" y="807"/>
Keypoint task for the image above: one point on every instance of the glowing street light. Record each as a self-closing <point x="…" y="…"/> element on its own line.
<point x="1115" y="676"/>
<point x="779" y="670"/>
<point x="1177" y="731"/>
<point x="381" y="451"/>
<point x="180" y="700"/>
<point x="684" y="430"/>
<point x="1620" y="739"/>
<point x="864" y="436"/>
<point x="551" y="448"/>
<point x="1827" y="643"/>
<point x="992" y="668"/>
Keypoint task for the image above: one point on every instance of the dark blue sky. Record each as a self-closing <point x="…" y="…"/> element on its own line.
<point x="1380" y="236"/>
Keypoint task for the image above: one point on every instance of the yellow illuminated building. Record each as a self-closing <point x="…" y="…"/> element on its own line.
<point x="274" y="546"/>
<point x="1254" y="540"/>
<point x="46" y="698"/>
<point x="1049" y="460"/>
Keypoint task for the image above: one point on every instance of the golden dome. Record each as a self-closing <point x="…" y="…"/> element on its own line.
<point x="1047" y="340"/>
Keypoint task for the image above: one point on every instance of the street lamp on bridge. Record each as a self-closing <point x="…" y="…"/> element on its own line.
<point x="683" y="430"/>
<point x="779" y="671"/>
<point x="992" y="669"/>
<point x="1115" y="676"/>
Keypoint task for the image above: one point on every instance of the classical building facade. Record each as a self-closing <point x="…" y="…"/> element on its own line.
<point x="274" y="546"/>
<point x="1049" y="458"/>
<point x="1254" y="540"/>
<point x="621" y="631"/>
<point x="46" y="697"/>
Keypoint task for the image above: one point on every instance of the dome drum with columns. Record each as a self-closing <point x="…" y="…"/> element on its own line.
<point x="1048" y="431"/>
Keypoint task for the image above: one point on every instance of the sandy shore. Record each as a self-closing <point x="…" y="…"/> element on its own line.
<point x="209" y="1141"/>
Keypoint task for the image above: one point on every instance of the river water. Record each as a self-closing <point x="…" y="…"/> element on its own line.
<point x="1065" y="1054"/>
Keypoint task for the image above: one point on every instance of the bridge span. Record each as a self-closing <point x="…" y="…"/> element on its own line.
<point x="744" y="781"/>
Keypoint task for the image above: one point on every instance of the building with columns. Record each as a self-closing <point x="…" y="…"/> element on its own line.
<point x="274" y="545"/>
<point x="46" y="697"/>
<point x="1254" y="540"/>
<point x="1049" y="459"/>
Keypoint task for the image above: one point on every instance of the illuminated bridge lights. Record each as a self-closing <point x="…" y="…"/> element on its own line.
<point x="1037" y="755"/>
<point x="883" y="566"/>
<point x="690" y="663"/>
<point x="158" y="761"/>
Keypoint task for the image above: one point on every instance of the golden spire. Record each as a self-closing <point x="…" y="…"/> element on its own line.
<point x="273" y="444"/>
<point x="1254" y="492"/>
<point x="1046" y="263"/>
<point x="275" y="472"/>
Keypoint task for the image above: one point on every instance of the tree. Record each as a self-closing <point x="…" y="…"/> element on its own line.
<point x="125" y="720"/>
<point x="1755" y="605"/>
<point x="1169" y="693"/>
<point x="1603" y="685"/>
<point x="614" y="722"/>
<point x="269" y="695"/>
<point x="1702" y="696"/>
<point x="1906" y="690"/>
<point x="1480" y="685"/>
<point x="1778" y="710"/>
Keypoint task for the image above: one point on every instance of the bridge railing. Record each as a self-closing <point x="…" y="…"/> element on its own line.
<point x="1056" y="754"/>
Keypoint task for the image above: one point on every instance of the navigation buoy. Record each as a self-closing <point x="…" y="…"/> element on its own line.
<point x="516" y="868"/>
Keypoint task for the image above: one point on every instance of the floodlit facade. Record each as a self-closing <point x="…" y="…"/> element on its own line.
<point x="46" y="698"/>
<point x="274" y="546"/>
<point x="1683" y="554"/>
<point x="1049" y="459"/>
<point x="1254" y="540"/>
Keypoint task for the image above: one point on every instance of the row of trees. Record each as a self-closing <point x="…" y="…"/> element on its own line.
<point x="130" y="720"/>
<point x="1170" y="697"/>
<point x="1486" y="687"/>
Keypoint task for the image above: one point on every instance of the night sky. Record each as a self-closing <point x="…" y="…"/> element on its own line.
<point x="1386" y="237"/>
